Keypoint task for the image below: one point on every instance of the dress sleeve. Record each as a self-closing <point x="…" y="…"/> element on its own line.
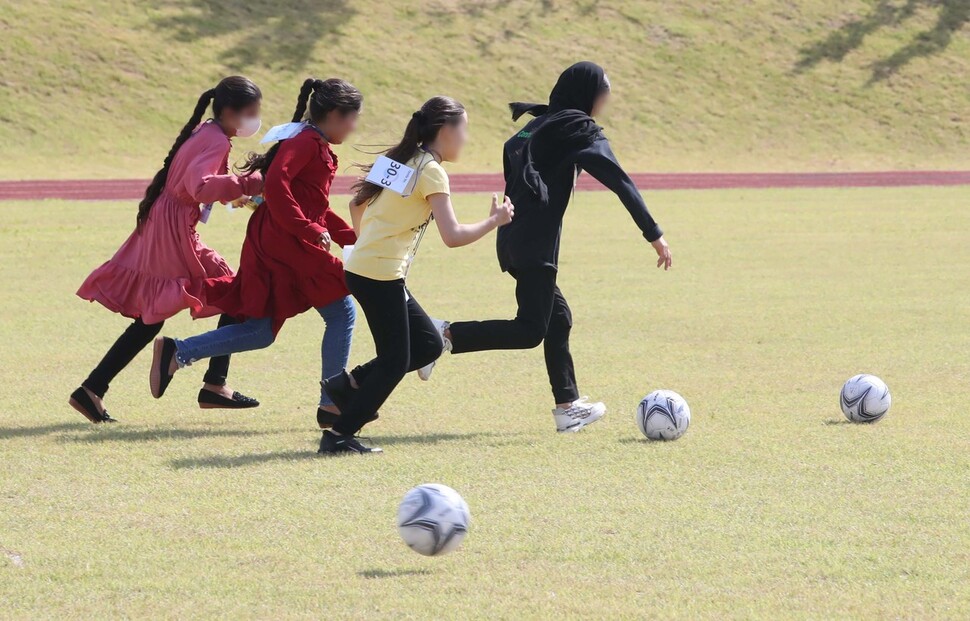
<point x="340" y="231"/>
<point x="433" y="180"/>
<point x="600" y="162"/>
<point x="292" y="157"/>
<point x="252" y="184"/>
<point x="206" y="179"/>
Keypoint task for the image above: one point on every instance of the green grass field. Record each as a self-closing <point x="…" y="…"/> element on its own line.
<point x="101" y="87"/>
<point x="770" y="507"/>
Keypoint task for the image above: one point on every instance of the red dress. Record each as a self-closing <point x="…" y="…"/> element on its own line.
<point x="283" y="270"/>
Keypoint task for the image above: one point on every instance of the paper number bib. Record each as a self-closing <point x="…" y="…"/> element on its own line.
<point x="390" y="175"/>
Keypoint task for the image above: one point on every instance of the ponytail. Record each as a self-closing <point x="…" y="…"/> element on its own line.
<point x="161" y="177"/>
<point x="365" y="192"/>
<point x="301" y="102"/>
<point x="421" y="130"/>
<point x="327" y="95"/>
<point x="260" y="162"/>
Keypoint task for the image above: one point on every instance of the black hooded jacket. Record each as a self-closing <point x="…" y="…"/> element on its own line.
<point x="542" y="162"/>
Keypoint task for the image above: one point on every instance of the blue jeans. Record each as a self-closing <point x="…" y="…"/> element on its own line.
<point x="251" y="334"/>
<point x="339" y="318"/>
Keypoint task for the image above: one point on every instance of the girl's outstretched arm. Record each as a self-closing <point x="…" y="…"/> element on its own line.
<point x="456" y="234"/>
<point x="600" y="162"/>
<point x="204" y="180"/>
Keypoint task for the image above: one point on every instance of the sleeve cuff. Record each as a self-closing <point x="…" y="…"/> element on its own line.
<point x="312" y="233"/>
<point x="653" y="234"/>
<point x="253" y="184"/>
<point x="344" y="238"/>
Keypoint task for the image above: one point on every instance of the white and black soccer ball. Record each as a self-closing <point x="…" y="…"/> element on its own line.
<point x="663" y="415"/>
<point x="433" y="519"/>
<point x="865" y="398"/>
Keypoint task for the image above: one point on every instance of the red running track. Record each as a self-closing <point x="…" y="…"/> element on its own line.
<point x="133" y="189"/>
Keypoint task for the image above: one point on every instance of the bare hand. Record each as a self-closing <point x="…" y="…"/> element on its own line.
<point x="325" y="241"/>
<point x="240" y="202"/>
<point x="663" y="252"/>
<point x="502" y="213"/>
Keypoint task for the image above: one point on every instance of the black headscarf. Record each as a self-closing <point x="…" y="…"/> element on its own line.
<point x="569" y="126"/>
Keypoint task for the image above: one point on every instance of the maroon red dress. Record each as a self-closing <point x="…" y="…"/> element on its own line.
<point x="283" y="270"/>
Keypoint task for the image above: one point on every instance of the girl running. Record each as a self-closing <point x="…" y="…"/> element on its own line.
<point x="160" y="269"/>
<point x="391" y="226"/>
<point x="286" y="266"/>
<point x="542" y="162"/>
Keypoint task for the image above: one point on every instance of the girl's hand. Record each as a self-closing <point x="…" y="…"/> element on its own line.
<point x="325" y="240"/>
<point x="240" y="202"/>
<point x="663" y="252"/>
<point x="502" y="214"/>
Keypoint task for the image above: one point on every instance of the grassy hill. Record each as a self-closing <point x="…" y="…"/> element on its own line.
<point x="101" y="87"/>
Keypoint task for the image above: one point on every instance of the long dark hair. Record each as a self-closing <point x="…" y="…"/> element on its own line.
<point x="422" y="129"/>
<point x="235" y="93"/>
<point x="327" y="95"/>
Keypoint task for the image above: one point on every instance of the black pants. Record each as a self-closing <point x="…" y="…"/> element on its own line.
<point x="543" y="317"/>
<point x="133" y="340"/>
<point x="405" y="340"/>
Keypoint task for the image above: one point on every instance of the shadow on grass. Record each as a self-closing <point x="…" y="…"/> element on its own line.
<point x="645" y="441"/>
<point x="9" y="433"/>
<point x="490" y="42"/>
<point x="371" y="574"/>
<point x="436" y="438"/>
<point x="254" y="459"/>
<point x="222" y="461"/>
<point x="840" y="422"/>
<point x="952" y="16"/>
<point x="277" y="35"/>
<point x="120" y="434"/>
<point x="483" y="9"/>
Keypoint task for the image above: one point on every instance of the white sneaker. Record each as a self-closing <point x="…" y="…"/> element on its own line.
<point x="425" y="372"/>
<point x="578" y="415"/>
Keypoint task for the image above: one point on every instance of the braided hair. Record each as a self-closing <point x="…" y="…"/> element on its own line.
<point x="234" y="92"/>
<point x="321" y="97"/>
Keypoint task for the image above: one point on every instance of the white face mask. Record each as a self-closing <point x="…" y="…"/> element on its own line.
<point x="250" y="125"/>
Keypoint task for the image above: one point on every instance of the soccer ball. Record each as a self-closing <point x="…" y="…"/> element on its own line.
<point x="865" y="399"/>
<point x="433" y="519"/>
<point x="663" y="415"/>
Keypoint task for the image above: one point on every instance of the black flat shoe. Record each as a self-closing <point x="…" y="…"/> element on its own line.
<point x="209" y="400"/>
<point x="81" y="401"/>
<point x="332" y="444"/>
<point x="162" y="354"/>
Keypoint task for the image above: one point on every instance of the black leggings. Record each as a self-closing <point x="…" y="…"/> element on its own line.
<point x="133" y="340"/>
<point x="405" y="340"/>
<point x="543" y="317"/>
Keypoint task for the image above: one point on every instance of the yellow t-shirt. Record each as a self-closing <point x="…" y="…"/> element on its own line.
<point x="391" y="224"/>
